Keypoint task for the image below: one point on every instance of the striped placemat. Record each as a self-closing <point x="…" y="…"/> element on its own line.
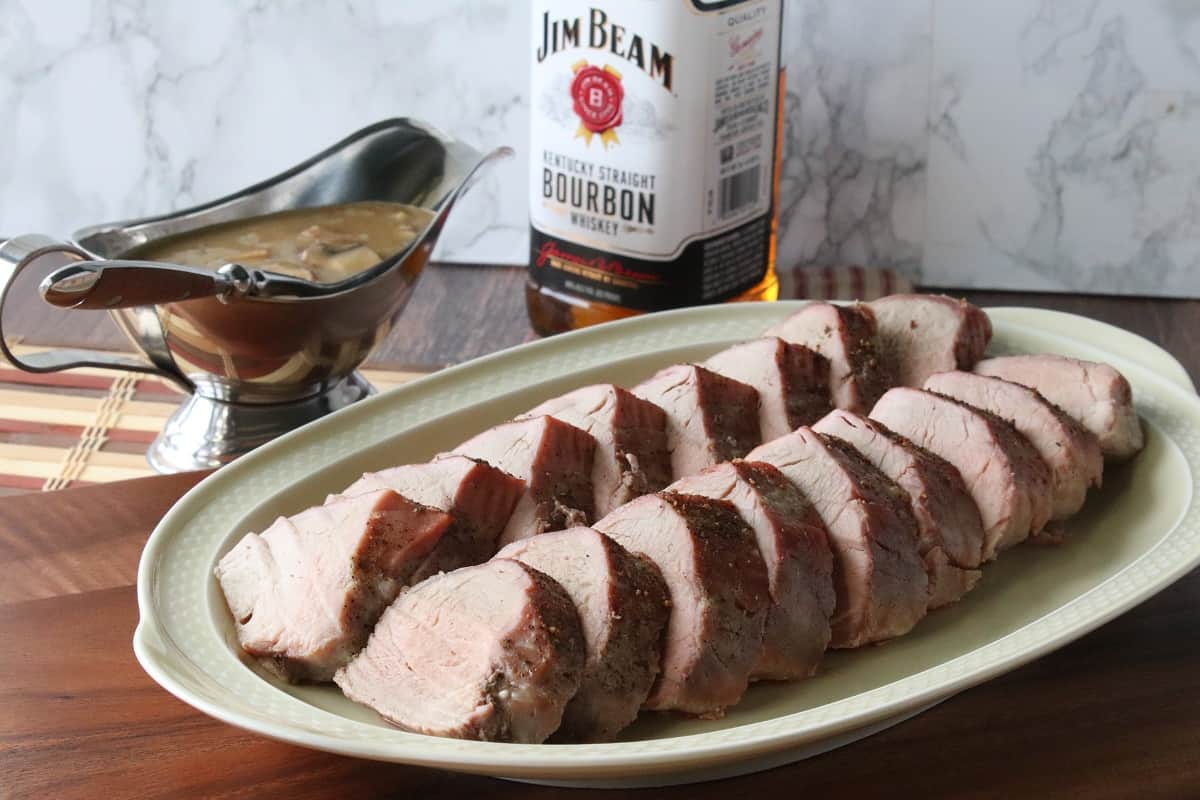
<point x="88" y="426"/>
<point x="841" y="283"/>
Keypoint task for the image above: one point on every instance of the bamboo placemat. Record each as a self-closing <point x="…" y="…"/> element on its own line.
<point x="841" y="283"/>
<point x="87" y="426"/>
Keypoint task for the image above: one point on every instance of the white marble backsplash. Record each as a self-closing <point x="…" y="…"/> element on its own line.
<point x="1042" y="144"/>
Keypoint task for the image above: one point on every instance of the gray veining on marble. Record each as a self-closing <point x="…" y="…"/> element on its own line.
<point x="117" y="109"/>
<point x="1050" y="144"/>
<point x="853" y="182"/>
<point x="1065" y="147"/>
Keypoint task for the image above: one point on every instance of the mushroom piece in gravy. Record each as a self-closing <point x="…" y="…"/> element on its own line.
<point x="324" y="244"/>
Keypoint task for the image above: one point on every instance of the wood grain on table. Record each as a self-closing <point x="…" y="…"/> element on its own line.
<point x="1116" y="714"/>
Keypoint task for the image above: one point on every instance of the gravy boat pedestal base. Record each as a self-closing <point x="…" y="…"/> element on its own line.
<point x="205" y="433"/>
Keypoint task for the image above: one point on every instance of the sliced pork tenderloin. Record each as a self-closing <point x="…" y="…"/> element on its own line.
<point x="792" y="381"/>
<point x="1096" y="395"/>
<point x="920" y="334"/>
<point x="710" y="418"/>
<point x="1009" y="482"/>
<point x="479" y="498"/>
<point x="491" y="652"/>
<point x="555" y="461"/>
<point x="623" y="606"/>
<point x="948" y="523"/>
<point x="1071" y="452"/>
<point x="847" y="336"/>
<point x="878" y="576"/>
<point x="719" y="591"/>
<point x="631" y="458"/>
<point x="306" y="592"/>
<point x="795" y="548"/>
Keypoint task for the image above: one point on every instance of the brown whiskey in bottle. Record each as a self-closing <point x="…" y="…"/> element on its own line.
<point x="655" y="157"/>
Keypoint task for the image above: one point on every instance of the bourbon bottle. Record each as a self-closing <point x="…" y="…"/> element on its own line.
<point x="654" y="156"/>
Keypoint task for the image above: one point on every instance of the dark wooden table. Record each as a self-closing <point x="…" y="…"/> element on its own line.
<point x="1116" y="714"/>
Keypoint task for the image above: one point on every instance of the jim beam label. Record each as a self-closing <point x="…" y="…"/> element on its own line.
<point x="653" y="131"/>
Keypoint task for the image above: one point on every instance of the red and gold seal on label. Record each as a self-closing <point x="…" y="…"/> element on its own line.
<point x="597" y="94"/>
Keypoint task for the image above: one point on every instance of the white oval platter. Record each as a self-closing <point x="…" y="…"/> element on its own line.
<point x="1133" y="538"/>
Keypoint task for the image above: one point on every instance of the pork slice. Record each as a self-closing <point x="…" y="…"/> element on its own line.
<point x="795" y="547"/>
<point x="623" y="606"/>
<point x="1071" y="452"/>
<point x="710" y="418"/>
<point x="719" y="596"/>
<point x="950" y="531"/>
<point x="792" y="381"/>
<point x="920" y="334"/>
<point x="1096" y="395"/>
<point x="848" y="337"/>
<point x="631" y="441"/>
<point x="1006" y="477"/>
<point x="878" y="576"/>
<point x="306" y="592"/>
<point x="491" y="652"/>
<point x="478" y="497"/>
<point x="554" y="459"/>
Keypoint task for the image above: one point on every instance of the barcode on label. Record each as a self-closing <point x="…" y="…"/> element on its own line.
<point x="738" y="191"/>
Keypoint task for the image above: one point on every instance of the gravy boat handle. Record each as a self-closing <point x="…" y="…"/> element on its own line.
<point x="17" y="254"/>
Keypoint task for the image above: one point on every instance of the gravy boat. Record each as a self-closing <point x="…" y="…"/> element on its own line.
<point x="257" y="353"/>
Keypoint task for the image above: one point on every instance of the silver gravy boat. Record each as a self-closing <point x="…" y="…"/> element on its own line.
<point x="257" y="353"/>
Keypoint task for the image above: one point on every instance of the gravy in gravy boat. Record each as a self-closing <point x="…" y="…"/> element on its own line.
<point x="324" y="244"/>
